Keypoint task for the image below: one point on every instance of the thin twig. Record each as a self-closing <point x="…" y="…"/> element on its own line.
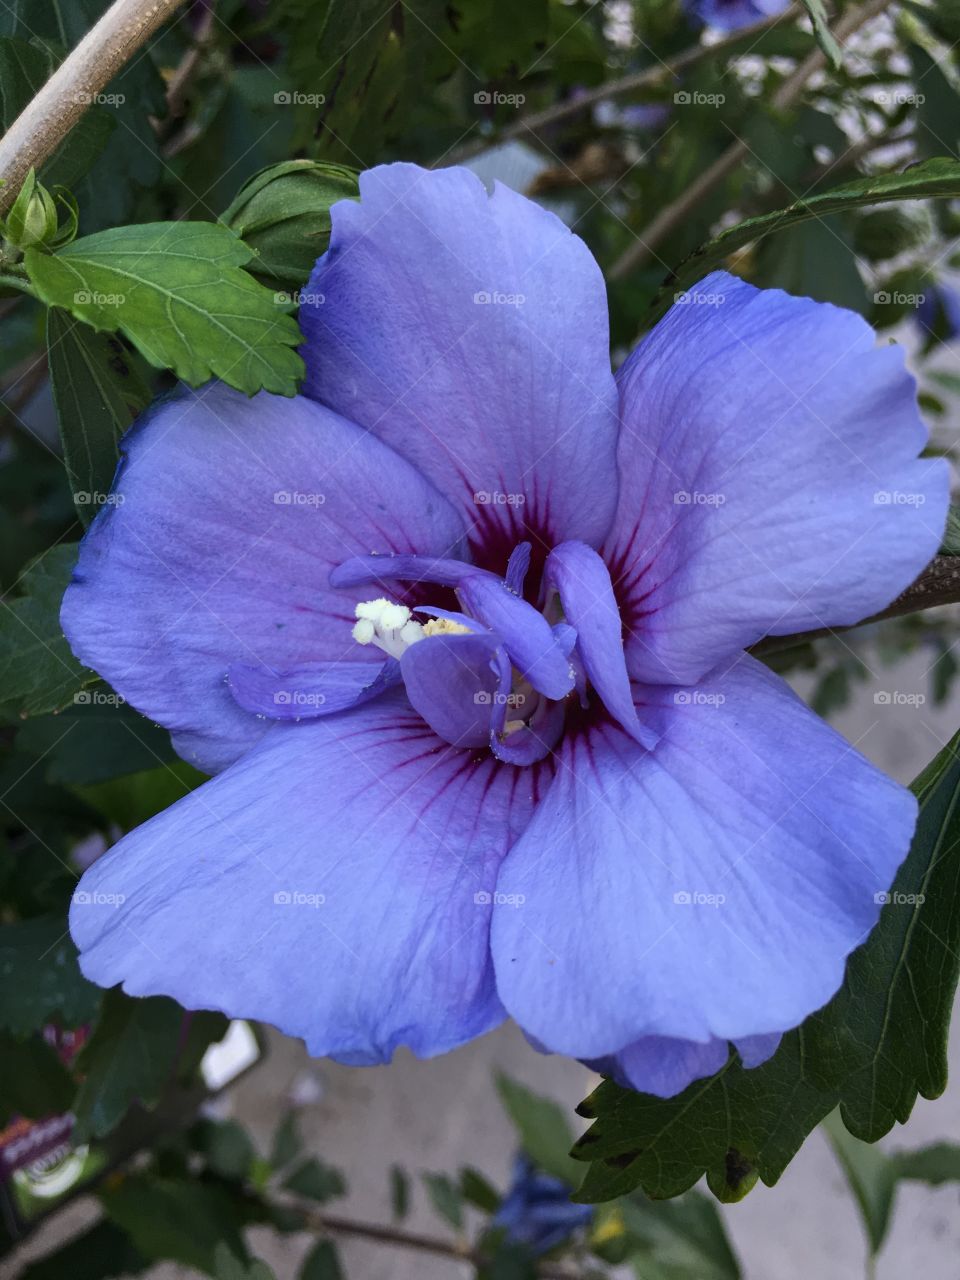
<point x="181" y="81"/>
<point x="674" y="213"/>
<point x="649" y="78"/>
<point x="326" y="1223"/>
<point x="48" y="118"/>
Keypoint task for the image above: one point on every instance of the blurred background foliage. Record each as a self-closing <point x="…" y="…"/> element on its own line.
<point x="609" y="113"/>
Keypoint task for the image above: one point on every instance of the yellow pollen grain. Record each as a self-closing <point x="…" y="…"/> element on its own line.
<point x="445" y="627"/>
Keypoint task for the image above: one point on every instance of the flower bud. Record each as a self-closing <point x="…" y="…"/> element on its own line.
<point x="283" y="212"/>
<point x="32" y="219"/>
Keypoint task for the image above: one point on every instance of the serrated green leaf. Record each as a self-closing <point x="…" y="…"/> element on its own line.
<point x="178" y="291"/>
<point x="543" y="1129"/>
<point x="40" y="978"/>
<point x="38" y="673"/>
<point x="129" y="1058"/>
<point x="824" y="36"/>
<point x="97" y="392"/>
<point x="938" y="177"/>
<point x="879" y="1043"/>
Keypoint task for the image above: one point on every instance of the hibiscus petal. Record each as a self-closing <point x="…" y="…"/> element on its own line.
<point x="664" y="1067"/>
<point x="470" y="332"/>
<point x="712" y="887"/>
<point x="349" y="864"/>
<point x="450" y="680"/>
<point x="230" y="514"/>
<point x="581" y="578"/>
<point x="536" y="652"/>
<point x="769" y="479"/>
<point x="311" y="690"/>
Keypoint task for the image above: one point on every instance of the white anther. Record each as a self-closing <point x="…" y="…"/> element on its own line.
<point x="364" y="631"/>
<point x="371" y="609"/>
<point x="411" y="632"/>
<point x="393" y="617"/>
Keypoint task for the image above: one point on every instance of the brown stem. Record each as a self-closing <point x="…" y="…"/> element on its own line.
<point x="48" y="118"/>
<point x="637" y="80"/>
<point x="327" y="1223"/>
<point x="938" y="584"/>
<point x="673" y="214"/>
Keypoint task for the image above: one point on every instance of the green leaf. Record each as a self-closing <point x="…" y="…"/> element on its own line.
<point x="96" y="738"/>
<point x="399" y="1192"/>
<point x="872" y="1178"/>
<point x="100" y="1252"/>
<point x="38" y="673"/>
<point x="227" y="1266"/>
<point x="317" y="1181"/>
<point x="33" y="1080"/>
<point x="287" y="1144"/>
<point x="446" y="1198"/>
<point x="177" y="290"/>
<point x="682" y="1239"/>
<point x="542" y="1126"/>
<point x="824" y="36"/>
<point x="97" y="391"/>
<point x="128" y="1059"/>
<point x="226" y="1147"/>
<point x="938" y="106"/>
<point x="322" y="1263"/>
<point x="186" y="1222"/>
<point x="131" y="799"/>
<point x="41" y="978"/>
<point x="950" y="546"/>
<point x="935" y="1165"/>
<point x="939" y="177"/>
<point x="478" y="1190"/>
<point x="879" y="1043"/>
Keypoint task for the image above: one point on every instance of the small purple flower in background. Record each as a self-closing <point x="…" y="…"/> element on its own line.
<point x="460" y="632"/>
<point x="938" y="314"/>
<point x="536" y="1212"/>
<point x="730" y="15"/>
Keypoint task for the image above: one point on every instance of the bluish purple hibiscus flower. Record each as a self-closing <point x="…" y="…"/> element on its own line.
<point x="537" y="1212"/>
<point x="730" y="15"/>
<point x="460" y="632"/>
